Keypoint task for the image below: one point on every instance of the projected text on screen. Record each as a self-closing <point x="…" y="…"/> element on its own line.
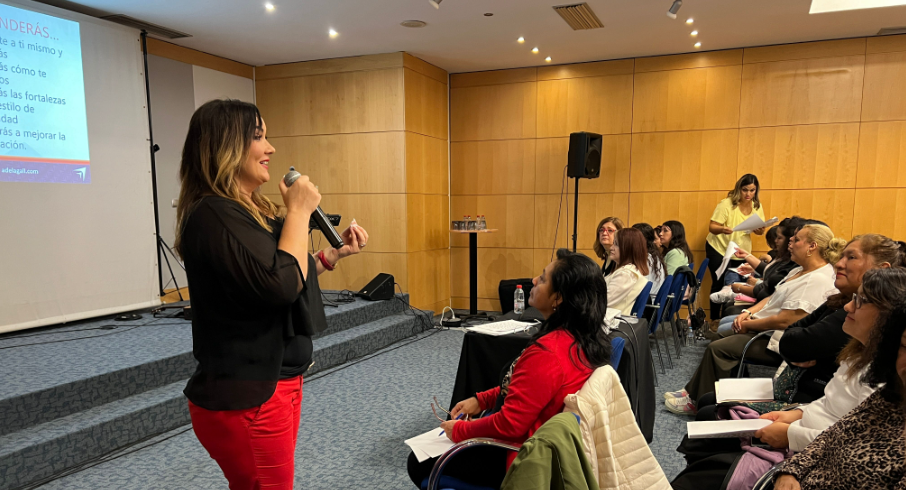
<point x="43" y="123"/>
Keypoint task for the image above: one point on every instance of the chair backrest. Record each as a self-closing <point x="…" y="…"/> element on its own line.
<point x="642" y="300"/>
<point x="617" y="345"/>
<point x="660" y="300"/>
<point x="677" y="290"/>
<point x="701" y="270"/>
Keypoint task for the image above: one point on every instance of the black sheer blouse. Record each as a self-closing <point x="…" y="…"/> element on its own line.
<point x="242" y="289"/>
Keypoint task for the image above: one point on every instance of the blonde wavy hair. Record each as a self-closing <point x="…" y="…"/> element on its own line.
<point x="217" y="144"/>
<point x="830" y="247"/>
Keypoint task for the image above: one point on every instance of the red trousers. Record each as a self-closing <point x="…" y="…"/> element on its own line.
<point x="254" y="447"/>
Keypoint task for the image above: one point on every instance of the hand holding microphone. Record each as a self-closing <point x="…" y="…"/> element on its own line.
<point x="306" y="197"/>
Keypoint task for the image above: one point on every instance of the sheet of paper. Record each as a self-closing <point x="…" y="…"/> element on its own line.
<point x="725" y="428"/>
<point x="431" y="444"/>
<point x="754" y="222"/>
<point x="744" y="390"/>
<point x="731" y="249"/>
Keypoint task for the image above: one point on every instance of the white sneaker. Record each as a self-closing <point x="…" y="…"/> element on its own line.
<point x="676" y="394"/>
<point x="680" y="406"/>
<point x="725" y="295"/>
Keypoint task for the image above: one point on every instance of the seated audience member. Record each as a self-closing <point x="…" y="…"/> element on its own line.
<point x="630" y="252"/>
<point x="796" y="429"/>
<point x="812" y="345"/>
<point x="572" y="296"/>
<point x="772" y="273"/>
<point x="607" y="230"/>
<point x="864" y="449"/>
<point x="657" y="240"/>
<point x="676" y="250"/>
<point x="656" y="268"/>
<point x="815" y="249"/>
<point x="770" y="237"/>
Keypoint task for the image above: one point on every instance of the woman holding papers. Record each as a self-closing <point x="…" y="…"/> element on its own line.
<point x="740" y="204"/>
<point x="872" y="267"/>
<point x="804" y="289"/>
<point x="866" y="448"/>
<point x="572" y="296"/>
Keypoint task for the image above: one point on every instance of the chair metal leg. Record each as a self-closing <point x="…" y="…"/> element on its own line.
<point x="673" y="324"/>
<point x="653" y="366"/>
<point x="666" y="347"/>
<point x="659" y="356"/>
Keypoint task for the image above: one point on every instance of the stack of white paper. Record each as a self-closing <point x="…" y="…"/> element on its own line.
<point x="505" y="327"/>
<point x="744" y="390"/>
<point x="755" y="222"/>
<point x="431" y="444"/>
<point x="731" y="249"/>
<point x="725" y="428"/>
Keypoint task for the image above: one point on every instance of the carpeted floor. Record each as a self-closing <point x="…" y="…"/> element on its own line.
<point x="354" y="421"/>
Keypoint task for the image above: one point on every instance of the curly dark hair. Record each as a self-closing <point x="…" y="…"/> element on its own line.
<point x="583" y="292"/>
<point x="883" y="368"/>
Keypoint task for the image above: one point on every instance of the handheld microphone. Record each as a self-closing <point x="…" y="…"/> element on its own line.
<point x="327" y="229"/>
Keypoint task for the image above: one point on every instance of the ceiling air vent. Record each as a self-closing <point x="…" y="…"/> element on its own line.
<point x="579" y="16"/>
<point x="145" y="26"/>
<point x="888" y="31"/>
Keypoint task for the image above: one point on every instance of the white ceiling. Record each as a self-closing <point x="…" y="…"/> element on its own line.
<point x="460" y="38"/>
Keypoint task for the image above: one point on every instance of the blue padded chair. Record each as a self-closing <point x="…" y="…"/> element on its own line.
<point x="699" y="277"/>
<point x="642" y="300"/>
<point x="675" y="303"/>
<point x="616" y="352"/>
<point x="660" y="301"/>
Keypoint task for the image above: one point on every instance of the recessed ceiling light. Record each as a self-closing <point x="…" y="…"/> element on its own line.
<point x="488" y="14"/>
<point x="535" y="50"/>
<point x="693" y="33"/>
<point x="333" y="33"/>
<point x="413" y="23"/>
<point x="269" y="6"/>
<point x="548" y="59"/>
<point x="698" y="45"/>
<point x="520" y="40"/>
<point x="689" y="20"/>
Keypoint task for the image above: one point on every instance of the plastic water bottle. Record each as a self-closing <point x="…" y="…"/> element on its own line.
<point x="519" y="300"/>
<point x="482" y="224"/>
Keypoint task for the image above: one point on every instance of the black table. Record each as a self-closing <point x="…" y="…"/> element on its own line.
<point x="484" y="357"/>
<point x="473" y="266"/>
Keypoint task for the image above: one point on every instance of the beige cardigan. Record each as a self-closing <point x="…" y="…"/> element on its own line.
<point x="614" y="445"/>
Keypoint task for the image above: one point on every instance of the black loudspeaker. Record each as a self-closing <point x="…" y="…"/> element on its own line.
<point x="584" y="155"/>
<point x="381" y="287"/>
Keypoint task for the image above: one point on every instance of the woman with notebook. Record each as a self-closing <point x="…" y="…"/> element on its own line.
<point x="572" y="296"/>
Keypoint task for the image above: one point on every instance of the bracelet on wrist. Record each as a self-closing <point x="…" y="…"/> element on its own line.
<point x="326" y="263"/>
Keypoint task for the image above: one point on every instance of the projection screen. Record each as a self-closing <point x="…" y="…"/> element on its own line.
<point x="76" y="210"/>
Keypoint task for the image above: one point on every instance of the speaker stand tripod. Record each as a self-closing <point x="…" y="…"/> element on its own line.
<point x="576" y="214"/>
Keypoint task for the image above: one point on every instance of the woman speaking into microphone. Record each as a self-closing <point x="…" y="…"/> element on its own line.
<point x="255" y="294"/>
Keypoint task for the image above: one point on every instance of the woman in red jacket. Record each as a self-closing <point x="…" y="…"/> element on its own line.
<point x="572" y="296"/>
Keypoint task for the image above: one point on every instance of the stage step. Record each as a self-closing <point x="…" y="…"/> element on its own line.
<point x="39" y="451"/>
<point x="165" y="356"/>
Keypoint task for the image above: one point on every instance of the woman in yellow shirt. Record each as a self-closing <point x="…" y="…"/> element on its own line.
<point x="739" y="205"/>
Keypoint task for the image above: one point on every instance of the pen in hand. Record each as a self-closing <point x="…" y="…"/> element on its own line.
<point x="457" y="418"/>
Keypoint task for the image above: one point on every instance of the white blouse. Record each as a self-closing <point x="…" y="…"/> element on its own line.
<point x="656" y="274"/>
<point x="624" y="287"/>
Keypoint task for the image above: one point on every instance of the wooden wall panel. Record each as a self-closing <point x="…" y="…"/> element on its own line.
<point x="552" y="158"/>
<point x="598" y="104"/>
<point x="882" y="155"/>
<point x="880" y="211"/>
<point x="493" y="112"/>
<point x="355" y="102"/>
<point x="822" y="90"/>
<point x="330" y="66"/>
<point x="427" y="224"/>
<point x="832" y="206"/>
<point x="195" y="57"/>
<point x="679" y="100"/>
<point x="426" y="105"/>
<point x="492" y="167"/>
<point x="429" y="279"/>
<point x="801" y="51"/>
<point x="885" y="87"/>
<point x="801" y="157"/>
<point x="427" y="171"/>
<point x="494" y="265"/>
<point x="511" y="215"/>
<point x="692" y="209"/>
<point x="727" y="57"/>
<point x="592" y="208"/>
<point x="358" y="163"/>
<point x="684" y="160"/>
<point x="355" y="271"/>
<point x="383" y="215"/>
<point x="494" y="77"/>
